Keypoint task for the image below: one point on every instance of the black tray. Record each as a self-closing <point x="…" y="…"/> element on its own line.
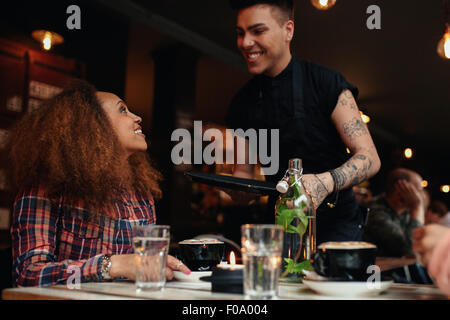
<point x="240" y="184"/>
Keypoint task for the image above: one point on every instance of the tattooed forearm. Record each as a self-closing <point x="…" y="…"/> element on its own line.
<point x="340" y="178"/>
<point x="316" y="188"/>
<point x="354" y="171"/>
<point x="355" y="128"/>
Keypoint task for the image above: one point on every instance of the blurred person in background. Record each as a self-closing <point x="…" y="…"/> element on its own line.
<point x="436" y="212"/>
<point x="397" y="213"/>
<point x="363" y="194"/>
<point x="445" y="221"/>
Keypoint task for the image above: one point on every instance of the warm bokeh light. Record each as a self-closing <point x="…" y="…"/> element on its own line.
<point x="232" y="258"/>
<point x="47" y="41"/>
<point x="47" y="38"/>
<point x="408" y="153"/>
<point x="348" y="150"/>
<point x="323" y="4"/>
<point x="445" y="188"/>
<point x="424" y="183"/>
<point x="443" y="48"/>
<point x="276" y="261"/>
<point x="365" y="118"/>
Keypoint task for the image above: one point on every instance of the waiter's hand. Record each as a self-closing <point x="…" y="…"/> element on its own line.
<point x="319" y="186"/>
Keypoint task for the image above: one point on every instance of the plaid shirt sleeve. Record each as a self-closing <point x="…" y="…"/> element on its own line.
<point x="34" y="234"/>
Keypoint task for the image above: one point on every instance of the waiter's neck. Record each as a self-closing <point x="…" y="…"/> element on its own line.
<point x="281" y="64"/>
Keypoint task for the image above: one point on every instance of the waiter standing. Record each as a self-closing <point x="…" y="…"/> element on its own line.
<point x="315" y="111"/>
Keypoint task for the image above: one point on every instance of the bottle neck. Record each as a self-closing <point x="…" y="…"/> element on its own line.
<point x="294" y="176"/>
<point x="295" y="172"/>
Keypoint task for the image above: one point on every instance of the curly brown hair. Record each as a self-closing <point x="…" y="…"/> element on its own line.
<point x="68" y="147"/>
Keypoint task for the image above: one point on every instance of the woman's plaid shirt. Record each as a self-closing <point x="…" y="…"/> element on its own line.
<point x="50" y="243"/>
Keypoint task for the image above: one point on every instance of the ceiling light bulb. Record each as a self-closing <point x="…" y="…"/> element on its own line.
<point x="47" y="41"/>
<point x="408" y="153"/>
<point x="443" y="48"/>
<point x="445" y="188"/>
<point x="47" y="38"/>
<point x="365" y="118"/>
<point x="323" y="4"/>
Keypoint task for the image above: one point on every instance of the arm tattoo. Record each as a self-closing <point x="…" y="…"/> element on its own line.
<point x="346" y="99"/>
<point x="340" y="178"/>
<point x="343" y="102"/>
<point x="354" y="171"/>
<point x="317" y="189"/>
<point x="354" y="128"/>
<point x="348" y="94"/>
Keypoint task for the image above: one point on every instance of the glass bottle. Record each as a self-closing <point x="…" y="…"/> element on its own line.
<point x="295" y="212"/>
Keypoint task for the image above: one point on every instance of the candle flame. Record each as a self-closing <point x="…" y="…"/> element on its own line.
<point x="232" y="258"/>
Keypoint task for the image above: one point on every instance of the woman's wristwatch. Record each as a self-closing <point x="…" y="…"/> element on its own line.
<point x="106" y="265"/>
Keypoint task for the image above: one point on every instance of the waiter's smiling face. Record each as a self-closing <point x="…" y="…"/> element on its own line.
<point x="264" y="33"/>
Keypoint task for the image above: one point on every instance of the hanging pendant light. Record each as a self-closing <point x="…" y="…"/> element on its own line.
<point x="443" y="47"/>
<point x="323" y="4"/>
<point x="47" y="38"/>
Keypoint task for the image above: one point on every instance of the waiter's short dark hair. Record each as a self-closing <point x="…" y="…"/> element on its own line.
<point x="285" y="6"/>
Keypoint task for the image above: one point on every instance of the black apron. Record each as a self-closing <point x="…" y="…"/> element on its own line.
<point x="345" y="221"/>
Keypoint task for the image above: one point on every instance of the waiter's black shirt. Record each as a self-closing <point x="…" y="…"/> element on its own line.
<point x="299" y="102"/>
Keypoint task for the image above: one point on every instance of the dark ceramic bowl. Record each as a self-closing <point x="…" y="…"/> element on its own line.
<point x="201" y="255"/>
<point x="345" y="261"/>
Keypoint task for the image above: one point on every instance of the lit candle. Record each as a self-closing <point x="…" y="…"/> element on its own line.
<point x="232" y="265"/>
<point x="232" y="258"/>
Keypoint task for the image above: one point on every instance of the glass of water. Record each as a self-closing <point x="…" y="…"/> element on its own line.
<point x="151" y="245"/>
<point x="262" y="245"/>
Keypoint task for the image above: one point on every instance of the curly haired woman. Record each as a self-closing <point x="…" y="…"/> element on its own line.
<point x="83" y="181"/>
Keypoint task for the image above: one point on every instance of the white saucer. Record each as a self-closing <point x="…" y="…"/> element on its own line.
<point x="347" y="288"/>
<point x="193" y="277"/>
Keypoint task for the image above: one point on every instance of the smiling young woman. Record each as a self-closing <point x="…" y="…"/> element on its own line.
<point x="83" y="180"/>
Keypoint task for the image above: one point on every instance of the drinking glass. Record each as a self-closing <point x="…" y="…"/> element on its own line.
<point x="151" y="244"/>
<point x="262" y="245"/>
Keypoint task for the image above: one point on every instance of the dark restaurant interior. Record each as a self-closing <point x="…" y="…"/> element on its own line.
<point x="175" y="61"/>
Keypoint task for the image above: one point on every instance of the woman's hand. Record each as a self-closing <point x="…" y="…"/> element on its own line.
<point x="319" y="186"/>
<point x="426" y="238"/>
<point x="173" y="264"/>
<point x="125" y="265"/>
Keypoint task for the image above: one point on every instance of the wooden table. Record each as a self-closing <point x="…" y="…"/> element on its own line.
<point x="182" y="291"/>
<point x="175" y="290"/>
